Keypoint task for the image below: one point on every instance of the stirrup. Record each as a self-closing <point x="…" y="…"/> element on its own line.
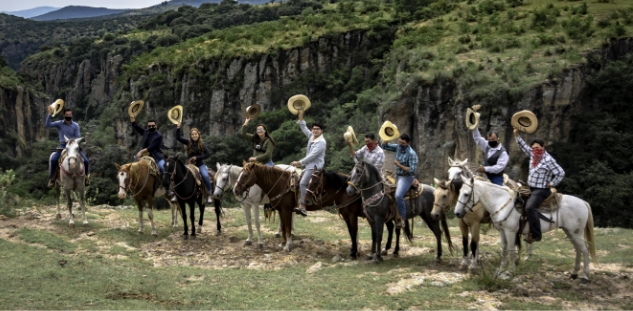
<point x="301" y="211"/>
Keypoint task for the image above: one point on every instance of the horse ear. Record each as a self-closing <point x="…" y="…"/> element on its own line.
<point x="217" y="165"/>
<point x="65" y="138"/>
<point x="78" y="140"/>
<point x="450" y="161"/>
<point x="464" y="162"/>
<point x="244" y="163"/>
<point x="436" y="181"/>
<point x="118" y="167"/>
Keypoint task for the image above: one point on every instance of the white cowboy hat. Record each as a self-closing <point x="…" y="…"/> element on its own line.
<point x="57" y="106"/>
<point x="298" y="102"/>
<point x="175" y="114"/>
<point x="472" y="117"/>
<point x="135" y="108"/>
<point x="350" y="136"/>
<point x="253" y="111"/>
<point x="388" y="131"/>
<point x="525" y="121"/>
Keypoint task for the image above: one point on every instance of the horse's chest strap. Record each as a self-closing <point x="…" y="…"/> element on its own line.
<point x="374" y="198"/>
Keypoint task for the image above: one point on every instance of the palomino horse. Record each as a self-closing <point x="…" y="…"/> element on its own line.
<point x="446" y="195"/>
<point x="573" y="216"/>
<point x="72" y="176"/>
<point x="225" y="178"/>
<point x="366" y="179"/>
<point x="328" y="188"/>
<point x="280" y="185"/>
<point x="136" y="178"/>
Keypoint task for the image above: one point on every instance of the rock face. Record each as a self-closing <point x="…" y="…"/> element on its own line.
<point x="435" y="119"/>
<point x="22" y="119"/>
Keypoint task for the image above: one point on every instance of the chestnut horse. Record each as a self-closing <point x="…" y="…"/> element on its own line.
<point x="281" y="186"/>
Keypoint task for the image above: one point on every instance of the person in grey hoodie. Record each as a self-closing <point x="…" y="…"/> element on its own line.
<point x="314" y="159"/>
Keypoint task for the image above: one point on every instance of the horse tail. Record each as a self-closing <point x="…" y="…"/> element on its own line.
<point x="447" y="234"/>
<point x="589" y="235"/>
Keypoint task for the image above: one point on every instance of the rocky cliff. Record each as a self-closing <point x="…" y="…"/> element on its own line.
<point x="22" y="121"/>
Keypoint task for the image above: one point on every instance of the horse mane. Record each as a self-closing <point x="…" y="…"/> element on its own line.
<point x="373" y="171"/>
<point x="336" y="180"/>
<point x="271" y="174"/>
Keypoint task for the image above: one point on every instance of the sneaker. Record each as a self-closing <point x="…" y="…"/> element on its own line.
<point x="301" y="211"/>
<point x="209" y="199"/>
<point x="530" y="239"/>
<point x="169" y="192"/>
<point x="173" y="199"/>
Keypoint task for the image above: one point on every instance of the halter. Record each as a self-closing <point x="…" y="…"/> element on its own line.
<point x="357" y="166"/>
<point x="129" y="185"/>
<point x="221" y="188"/>
<point x="471" y="197"/>
<point x="319" y="199"/>
<point x="243" y="185"/>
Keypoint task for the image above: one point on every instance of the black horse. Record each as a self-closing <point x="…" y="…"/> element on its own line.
<point x="182" y="182"/>
<point x="366" y="179"/>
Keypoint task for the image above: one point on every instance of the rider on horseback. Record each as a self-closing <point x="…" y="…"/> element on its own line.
<point x="197" y="152"/>
<point x="152" y="141"/>
<point x="370" y="153"/>
<point x="544" y="173"/>
<point x="495" y="156"/>
<point x="406" y="163"/>
<point x="315" y="157"/>
<point x="66" y="129"/>
<point x="263" y="146"/>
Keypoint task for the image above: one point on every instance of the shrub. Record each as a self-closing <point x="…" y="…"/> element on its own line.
<point x="167" y="40"/>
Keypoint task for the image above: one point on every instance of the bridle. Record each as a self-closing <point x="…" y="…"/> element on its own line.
<point x="243" y="185"/>
<point x="320" y="190"/>
<point x="358" y="190"/>
<point x="471" y="197"/>
<point x="172" y="177"/>
<point x="228" y="173"/>
<point x="129" y="183"/>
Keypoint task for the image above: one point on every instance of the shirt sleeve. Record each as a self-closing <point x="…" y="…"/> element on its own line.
<point x="245" y="135"/>
<point x="557" y="171"/>
<point x="304" y="128"/>
<point x="156" y="143"/>
<point x="360" y="153"/>
<point x="180" y="138"/>
<point x="498" y="168"/>
<point x="50" y="124"/>
<point x="390" y="147"/>
<point x="481" y="142"/>
<point x="524" y="146"/>
<point x="139" y="129"/>
<point x="381" y="158"/>
<point x="77" y="131"/>
<point x="314" y="153"/>
<point x="413" y="161"/>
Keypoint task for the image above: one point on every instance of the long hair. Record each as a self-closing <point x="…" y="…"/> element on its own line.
<point x="200" y="144"/>
<point x="256" y="140"/>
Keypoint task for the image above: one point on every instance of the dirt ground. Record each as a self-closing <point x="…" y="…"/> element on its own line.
<point x="610" y="285"/>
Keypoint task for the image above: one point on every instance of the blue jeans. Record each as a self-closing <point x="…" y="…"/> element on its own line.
<point x="403" y="183"/>
<point x="495" y="179"/>
<point x="205" y="176"/>
<point x="270" y="163"/>
<point x="161" y="166"/>
<point x="54" y="161"/>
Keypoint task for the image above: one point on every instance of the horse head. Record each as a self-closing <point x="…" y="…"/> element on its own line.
<point x="358" y="178"/>
<point x="72" y="152"/>
<point x="123" y="177"/>
<point x="465" y="197"/>
<point x="246" y="179"/>
<point x="443" y="197"/>
<point x="170" y="169"/>
<point x="222" y="180"/>
<point x="457" y="168"/>
<point x="315" y="187"/>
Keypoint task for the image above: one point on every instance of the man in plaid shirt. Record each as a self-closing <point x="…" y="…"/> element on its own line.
<point x="406" y="163"/>
<point x="370" y="153"/>
<point x="544" y="173"/>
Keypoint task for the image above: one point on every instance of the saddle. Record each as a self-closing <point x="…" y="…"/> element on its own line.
<point x="414" y="191"/>
<point x="153" y="167"/>
<point x="195" y="171"/>
<point x="549" y="205"/>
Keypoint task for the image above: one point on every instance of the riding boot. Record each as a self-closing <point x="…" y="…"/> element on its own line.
<point x="301" y="210"/>
<point x="210" y="198"/>
<point x="535" y="225"/>
<point x="399" y="220"/>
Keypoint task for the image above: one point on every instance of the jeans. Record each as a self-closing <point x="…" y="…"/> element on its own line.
<point x="54" y="161"/>
<point x="303" y="184"/>
<point x="496" y="179"/>
<point x="403" y="183"/>
<point x="270" y="163"/>
<point x="537" y="196"/>
<point x="161" y="166"/>
<point x="205" y="176"/>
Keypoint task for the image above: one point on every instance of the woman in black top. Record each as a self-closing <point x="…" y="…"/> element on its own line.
<point x="197" y="151"/>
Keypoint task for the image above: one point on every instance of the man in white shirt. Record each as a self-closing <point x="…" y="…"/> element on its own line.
<point x="370" y="153"/>
<point x="495" y="156"/>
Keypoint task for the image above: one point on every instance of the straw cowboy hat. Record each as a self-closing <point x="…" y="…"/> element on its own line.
<point x="298" y="102"/>
<point x="175" y="114"/>
<point x="389" y="131"/>
<point x="57" y="106"/>
<point x="525" y="121"/>
<point x="253" y="111"/>
<point x="472" y="117"/>
<point x="135" y="108"/>
<point x="350" y="136"/>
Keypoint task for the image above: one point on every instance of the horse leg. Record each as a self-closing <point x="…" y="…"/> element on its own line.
<point x="192" y="217"/>
<point x="286" y="221"/>
<point x="139" y="205"/>
<point x="511" y="249"/>
<point x="69" y="203"/>
<point x="278" y="234"/>
<point x="352" y="227"/>
<point x="464" y="230"/>
<point x="183" y="209"/>
<point x="390" y="226"/>
<point x="247" y="214"/>
<point x="150" y="214"/>
<point x="255" y="208"/>
<point x="82" y="205"/>
<point x="379" y="224"/>
<point x="201" y="206"/>
<point x="396" y="250"/>
<point x="174" y="213"/>
<point x="578" y="248"/>
<point x="530" y="251"/>
<point x="289" y="231"/>
<point x="434" y="225"/>
<point x="474" y="244"/>
<point x="57" y="197"/>
<point x="217" y="205"/>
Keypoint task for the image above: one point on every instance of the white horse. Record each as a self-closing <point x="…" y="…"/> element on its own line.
<point x="573" y="216"/>
<point x="72" y="176"/>
<point x="225" y="178"/>
<point x="456" y="170"/>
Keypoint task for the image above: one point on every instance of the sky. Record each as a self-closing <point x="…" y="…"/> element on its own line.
<point x="13" y="5"/>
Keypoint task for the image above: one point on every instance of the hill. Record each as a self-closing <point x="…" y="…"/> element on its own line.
<point x="33" y="12"/>
<point x="71" y="12"/>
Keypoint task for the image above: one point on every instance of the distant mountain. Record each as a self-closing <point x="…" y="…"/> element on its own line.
<point x="70" y="12"/>
<point x="33" y="12"/>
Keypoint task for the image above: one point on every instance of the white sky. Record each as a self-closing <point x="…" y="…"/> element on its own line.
<point x="13" y="5"/>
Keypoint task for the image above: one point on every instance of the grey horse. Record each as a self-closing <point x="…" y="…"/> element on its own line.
<point x="72" y="176"/>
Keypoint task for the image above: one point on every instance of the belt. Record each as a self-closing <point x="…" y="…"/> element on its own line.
<point x="405" y="174"/>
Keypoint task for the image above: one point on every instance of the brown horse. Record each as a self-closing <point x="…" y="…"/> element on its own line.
<point x="135" y="177"/>
<point x="328" y="188"/>
<point x="281" y="186"/>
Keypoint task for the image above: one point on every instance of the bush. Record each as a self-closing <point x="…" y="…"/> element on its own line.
<point x="167" y="40"/>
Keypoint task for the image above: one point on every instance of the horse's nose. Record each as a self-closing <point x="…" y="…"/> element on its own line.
<point x="350" y="190"/>
<point x="122" y="195"/>
<point x="459" y="215"/>
<point x="216" y="195"/>
<point x="435" y="216"/>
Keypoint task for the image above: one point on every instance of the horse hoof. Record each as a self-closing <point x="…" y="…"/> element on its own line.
<point x="248" y="243"/>
<point x="384" y="252"/>
<point x="292" y="235"/>
<point x="58" y="216"/>
<point x="574" y="276"/>
<point x="463" y="266"/>
<point x="370" y="257"/>
<point x="199" y="230"/>
<point x="218" y="233"/>
<point x="287" y="249"/>
<point x="193" y="236"/>
<point x="260" y="246"/>
<point x="185" y="237"/>
<point x="72" y="225"/>
<point x="396" y="255"/>
<point x="438" y="260"/>
<point x="375" y="261"/>
<point x="277" y="235"/>
<point x="140" y="232"/>
<point x="584" y="281"/>
<point x="85" y="224"/>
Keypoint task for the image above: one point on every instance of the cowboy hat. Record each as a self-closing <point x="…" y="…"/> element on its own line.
<point x="298" y="102"/>
<point x="350" y="136"/>
<point x="135" y="108"/>
<point x="525" y="121"/>
<point x="175" y="114"/>
<point x="57" y="106"/>
<point x="389" y="131"/>
<point x="253" y="111"/>
<point x="472" y="118"/>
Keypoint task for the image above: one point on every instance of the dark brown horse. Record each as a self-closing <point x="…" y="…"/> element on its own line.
<point x="328" y="188"/>
<point x="281" y="186"/>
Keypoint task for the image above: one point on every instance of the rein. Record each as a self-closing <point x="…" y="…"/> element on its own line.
<point x="173" y="186"/>
<point x="129" y="186"/>
<point x="74" y="174"/>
